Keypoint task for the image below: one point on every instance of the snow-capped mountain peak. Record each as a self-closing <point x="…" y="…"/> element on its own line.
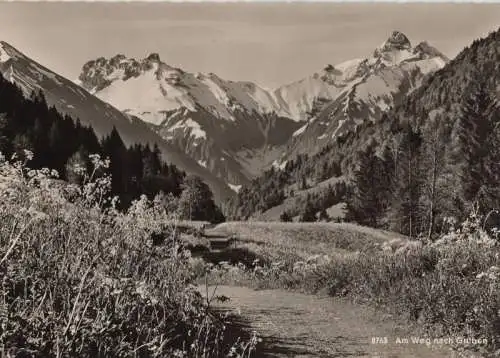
<point x="396" y="41"/>
<point x="150" y="89"/>
<point x="340" y="97"/>
<point x="304" y="98"/>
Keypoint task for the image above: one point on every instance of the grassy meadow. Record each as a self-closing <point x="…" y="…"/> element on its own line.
<point x="448" y="287"/>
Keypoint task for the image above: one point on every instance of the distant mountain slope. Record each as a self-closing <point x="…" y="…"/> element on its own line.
<point x="70" y="98"/>
<point x="445" y="133"/>
<point x="221" y="124"/>
<point x="341" y="97"/>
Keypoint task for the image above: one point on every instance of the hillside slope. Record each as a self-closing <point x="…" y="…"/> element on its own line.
<point x="75" y="101"/>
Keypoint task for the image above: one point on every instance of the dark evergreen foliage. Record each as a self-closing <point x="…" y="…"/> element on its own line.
<point x="275" y="185"/>
<point x="60" y="142"/>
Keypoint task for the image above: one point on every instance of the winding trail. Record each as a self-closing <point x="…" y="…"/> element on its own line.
<point x="298" y="325"/>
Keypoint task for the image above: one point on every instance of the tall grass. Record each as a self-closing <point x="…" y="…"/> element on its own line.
<point x="448" y="288"/>
<point x="79" y="278"/>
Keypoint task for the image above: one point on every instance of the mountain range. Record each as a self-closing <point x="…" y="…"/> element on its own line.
<point x="431" y="157"/>
<point x="225" y="131"/>
<point x="238" y="129"/>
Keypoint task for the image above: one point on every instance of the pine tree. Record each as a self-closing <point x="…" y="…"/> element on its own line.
<point x="366" y="199"/>
<point x="489" y="191"/>
<point x="323" y="215"/>
<point x="114" y="149"/>
<point x="4" y="141"/>
<point x="405" y="209"/>
<point x="308" y="212"/>
<point x="475" y="128"/>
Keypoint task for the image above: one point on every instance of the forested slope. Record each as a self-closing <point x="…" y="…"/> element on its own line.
<point x="433" y="157"/>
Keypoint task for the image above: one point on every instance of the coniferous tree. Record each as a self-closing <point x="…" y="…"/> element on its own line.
<point x="405" y="209"/>
<point x="475" y="128"/>
<point x="115" y="150"/>
<point x="4" y="140"/>
<point x="489" y="190"/>
<point x="365" y="202"/>
<point x="308" y="212"/>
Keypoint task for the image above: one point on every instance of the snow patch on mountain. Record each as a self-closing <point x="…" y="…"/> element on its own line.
<point x="193" y="127"/>
<point x="300" y="130"/>
<point x="236" y="188"/>
<point x="4" y="56"/>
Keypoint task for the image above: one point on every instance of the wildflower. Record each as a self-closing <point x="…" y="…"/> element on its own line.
<point x="28" y="154"/>
<point x="116" y="292"/>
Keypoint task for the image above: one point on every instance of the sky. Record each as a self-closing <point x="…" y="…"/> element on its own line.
<point x="271" y="44"/>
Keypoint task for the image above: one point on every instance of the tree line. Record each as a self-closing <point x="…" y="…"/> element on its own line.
<point x="62" y="143"/>
<point x="427" y="172"/>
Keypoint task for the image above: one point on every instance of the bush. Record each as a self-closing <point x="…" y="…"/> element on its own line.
<point x="285" y="216"/>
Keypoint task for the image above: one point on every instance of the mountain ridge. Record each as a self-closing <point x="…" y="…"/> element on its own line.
<point x="376" y="84"/>
<point x="69" y="98"/>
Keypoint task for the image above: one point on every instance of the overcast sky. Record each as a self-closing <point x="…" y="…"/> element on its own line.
<point x="270" y="44"/>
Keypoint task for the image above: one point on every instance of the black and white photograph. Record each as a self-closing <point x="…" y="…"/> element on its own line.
<point x="249" y="179"/>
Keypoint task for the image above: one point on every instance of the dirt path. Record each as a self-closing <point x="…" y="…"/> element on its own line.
<point x="297" y="325"/>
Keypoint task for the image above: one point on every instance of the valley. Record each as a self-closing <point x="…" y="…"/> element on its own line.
<point x="335" y="198"/>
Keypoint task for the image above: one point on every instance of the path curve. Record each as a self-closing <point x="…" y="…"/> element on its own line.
<point x="298" y="325"/>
